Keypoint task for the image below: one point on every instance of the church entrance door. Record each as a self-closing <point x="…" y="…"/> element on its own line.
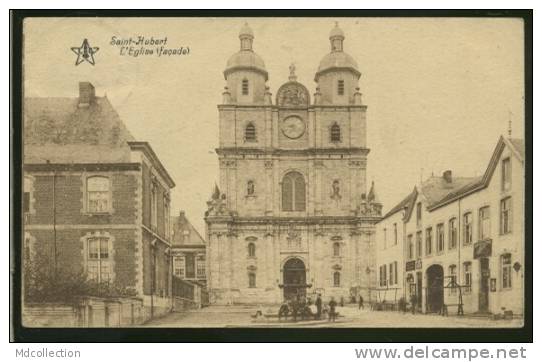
<point x="295" y="282"/>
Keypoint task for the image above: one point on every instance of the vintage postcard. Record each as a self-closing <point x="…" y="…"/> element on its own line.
<point x="261" y="172"/>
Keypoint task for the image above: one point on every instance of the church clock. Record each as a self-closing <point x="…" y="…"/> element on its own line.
<point x="293" y="127"/>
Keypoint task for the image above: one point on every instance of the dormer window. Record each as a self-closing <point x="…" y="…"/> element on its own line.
<point x="250" y="132"/>
<point x="340" y="87"/>
<point x="244" y="87"/>
<point x="335" y="133"/>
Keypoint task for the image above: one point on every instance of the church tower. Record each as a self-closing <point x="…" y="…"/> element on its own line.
<point x="290" y="216"/>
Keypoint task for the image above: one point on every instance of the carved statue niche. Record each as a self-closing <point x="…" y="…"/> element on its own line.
<point x="336" y="190"/>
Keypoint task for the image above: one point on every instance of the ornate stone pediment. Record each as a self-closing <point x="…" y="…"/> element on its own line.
<point x="293" y="94"/>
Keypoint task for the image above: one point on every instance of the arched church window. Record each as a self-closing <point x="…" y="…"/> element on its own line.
<point x="244" y="87"/>
<point x="250" y="132"/>
<point x="336" y="249"/>
<point x="335" y="133"/>
<point x="293" y="192"/>
<point x="251" y="250"/>
<point x="340" y="87"/>
<point x="337" y="279"/>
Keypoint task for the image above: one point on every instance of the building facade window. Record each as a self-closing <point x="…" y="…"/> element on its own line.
<point x="506" y="271"/>
<point x="336" y="249"/>
<point x="251" y="250"/>
<point x="467" y="228"/>
<point x="166" y="216"/>
<point x="395" y="271"/>
<point x="395" y="236"/>
<point x="506" y="175"/>
<point x="384" y="275"/>
<point x="250" y="132"/>
<point x="244" y="87"/>
<point x="385" y="233"/>
<point x="336" y="279"/>
<point x="98" y="194"/>
<point x="252" y="280"/>
<point x="340" y="87"/>
<point x="506" y="215"/>
<point x="410" y="247"/>
<point x="200" y="267"/>
<point x="428" y="241"/>
<point x="467" y="276"/>
<point x="440" y="238"/>
<point x="28" y="189"/>
<point x="484" y="223"/>
<point x="452" y="233"/>
<point x="98" y="261"/>
<point x="293" y="192"/>
<point x="335" y="133"/>
<point x="419" y="244"/>
<point x="419" y="214"/>
<point x="178" y="266"/>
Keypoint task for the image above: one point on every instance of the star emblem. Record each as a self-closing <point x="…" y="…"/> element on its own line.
<point x="85" y="53"/>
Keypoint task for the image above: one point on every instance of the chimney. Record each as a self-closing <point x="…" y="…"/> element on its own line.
<point x="86" y="94"/>
<point x="447" y="176"/>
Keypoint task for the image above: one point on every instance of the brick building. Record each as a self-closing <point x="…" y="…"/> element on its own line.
<point x="188" y="250"/>
<point x="96" y="197"/>
<point x="291" y="216"/>
<point x="466" y="232"/>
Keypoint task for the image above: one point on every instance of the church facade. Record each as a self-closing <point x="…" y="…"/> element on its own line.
<point x="291" y="215"/>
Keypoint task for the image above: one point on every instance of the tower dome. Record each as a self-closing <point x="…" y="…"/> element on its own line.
<point x="245" y="73"/>
<point x="246" y="58"/>
<point x="337" y="59"/>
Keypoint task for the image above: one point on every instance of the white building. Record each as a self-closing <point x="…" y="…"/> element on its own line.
<point x="464" y="238"/>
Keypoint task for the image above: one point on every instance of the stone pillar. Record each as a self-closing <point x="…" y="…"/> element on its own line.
<point x="318" y="193"/>
<point x="277" y="261"/>
<point x="269" y="187"/>
<point x="231" y="265"/>
<point x="310" y="247"/>
<point x="268" y="250"/>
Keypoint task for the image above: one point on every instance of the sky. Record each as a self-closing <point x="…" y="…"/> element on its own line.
<point x="439" y="91"/>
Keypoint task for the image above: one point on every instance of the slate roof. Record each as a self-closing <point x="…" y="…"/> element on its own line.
<point x="436" y="188"/>
<point x="405" y="204"/>
<point x="179" y="224"/>
<point x="59" y="131"/>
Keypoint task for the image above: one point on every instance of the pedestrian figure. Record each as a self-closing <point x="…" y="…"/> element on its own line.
<point x="413" y="303"/>
<point x="332" y="304"/>
<point x="302" y="309"/>
<point x="318" y="306"/>
<point x="283" y="310"/>
<point x="342" y="301"/>
<point x="295" y="308"/>
<point x="360" y="305"/>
